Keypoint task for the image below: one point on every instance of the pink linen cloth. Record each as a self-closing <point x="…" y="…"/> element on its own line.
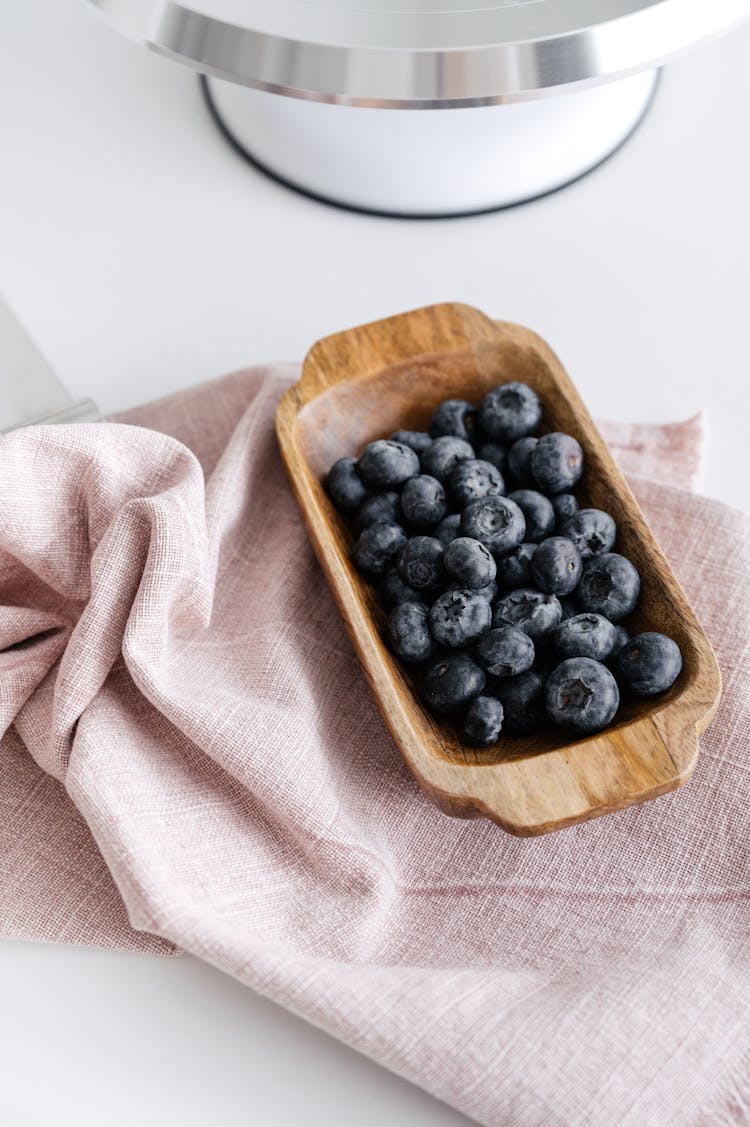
<point x="192" y="759"/>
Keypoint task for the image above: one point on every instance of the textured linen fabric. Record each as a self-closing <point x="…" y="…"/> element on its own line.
<point x="193" y="759"/>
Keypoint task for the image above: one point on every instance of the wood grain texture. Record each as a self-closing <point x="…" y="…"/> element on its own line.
<point x="364" y="384"/>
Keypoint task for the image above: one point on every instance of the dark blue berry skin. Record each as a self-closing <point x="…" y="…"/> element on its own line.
<point x="569" y="609"/>
<point x="509" y="412"/>
<point x="592" y="531"/>
<point x="448" y="529"/>
<point x="456" y="417"/>
<point x="609" y="586"/>
<point x="384" y="464"/>
<point x="423" y="502"/>
<point x="459" y="617"/>
<point x="519" y="462"/>
<point x="409" y="632"/>
<point x="378" y="546"/>
<point x="556" y="463"/>
<point x="471" y="480"/>
<point x="418" y="440"/>
<point x="650" y="663"/>
<point x="377" y="508"/>
<point x="622" y="637"/>
<point x="489" y="592"/>
<point x="514" y="568"/>
<point x="469" y="563"/>
<point x="443" y="455"/>
<point x="344" y="485"/>
<point x="420" y="563"/>
<point x="522" y="698"/>
<point x="531" y="611"/>
<point x="581" y="696"/>
<point x="494" y="453"/>
<point x="450" y="684"/>
<point x="483" y="722"/>
<point x="565" y="506"/>
<point x="496" y="521"/>
<point x="392" y="591"/>
<point x="538" y="513"/>
<point x="556" y="566"/>
<point x="585" y="635"/>
<point x="505" y="651"/>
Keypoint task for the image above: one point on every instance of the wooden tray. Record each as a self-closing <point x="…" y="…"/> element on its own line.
<point x="364" y="384"/>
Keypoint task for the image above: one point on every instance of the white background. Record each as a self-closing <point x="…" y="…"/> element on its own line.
<point x="143" y="255"/>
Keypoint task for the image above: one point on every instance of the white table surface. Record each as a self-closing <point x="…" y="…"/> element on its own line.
<point x="143" y="255"/>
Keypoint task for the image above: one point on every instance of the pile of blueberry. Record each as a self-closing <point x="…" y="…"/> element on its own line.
<point x="512" y="601"/>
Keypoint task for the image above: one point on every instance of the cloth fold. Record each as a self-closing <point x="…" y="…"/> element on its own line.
<point x="192" y="759"/>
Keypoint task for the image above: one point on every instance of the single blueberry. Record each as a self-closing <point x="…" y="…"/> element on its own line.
<point x="384" y="464"/>
<point x="519" y="461"/>
<point x="451" y="683"/>
<point x="483" y="722"/>
<point x="418" y="440"/>
<point x="505" y="651"/>
<point x="514" y="568"/>
<point x="423" y="501"/>
<point x="556" y="566"/>
<point x="581" y="695"/>
<point x="592" y="531"/>
<point x="496" y="521"/>
<point x="377" y="547"/>
<point x="469" y="563"/>
<point x="585" y="635"/>
<point x="510" y="411"/>
<point x="392" y="591"/>
<point x="344" y="485"/>
<point x="473" y="479"/>
<point x="409" y="632"/>
<point x="494" y="453"/>
<point x="609" y="586"/>
<point x="565" y="506"/>
<point x="443" y="454"/>
<point x="556" y="462"/>
<point x="377" y="508"/>
<point x="458" y="617"/>
<point x="420" y="563"/>
<point x="456" y="417"/>
<point x="538" y="513"/>
<point x="531" y="611"/>
<point x="448" y="529"/>
<point x="650" y="663"/>
<point x="522" y="698"/>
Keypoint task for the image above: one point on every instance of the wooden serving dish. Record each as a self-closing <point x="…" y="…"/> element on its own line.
<point x="368" y="382"/>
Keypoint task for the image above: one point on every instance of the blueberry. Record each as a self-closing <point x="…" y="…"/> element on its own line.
<point x="585" y="635"/>
<point x="556" y="462"/>
<point x="392" y="591"/>
<point x="565" y="506"/>
<point x="420" y="563"/>
<point x="538" y="513"/>
<point x="592" y="531"/>
<point x="531" y="611"/>
<point x="473" y="479"/>
<point x="377" y="508"/>
<point x="609" y="586"/>
<point x="451" y="683"/>
<point x="409" y="632"/>
<point x="418" y="440"/>
<point x="510" y="411"/>
<point x="469" y="563"/>
<point x="456" y="417"/>
<point x="522" y="698"/>
<point x="519" y="461"/>
<point x="377" y="547"/>
<point x="443" y="454"/>
<point x="494" y="453"/>
<point x="514" y="568"/>
<point x="345" y="487"/>
<point x="622" y="637"/>
<point x="483" y="722"/>
<point x="581" y="695"/>
<point x="423" y="501"/>
<point x="556" y="566"/>
<point x="458" y="617"/>
<point x="569" y="609"/>
<point x="489" y="592"/>
<point x="448" y="529"/>
<point x="505" y="651"/>
<point x="383" y="464"/>
<point x="496" y="521"/>
<point x="650" y="663"/>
